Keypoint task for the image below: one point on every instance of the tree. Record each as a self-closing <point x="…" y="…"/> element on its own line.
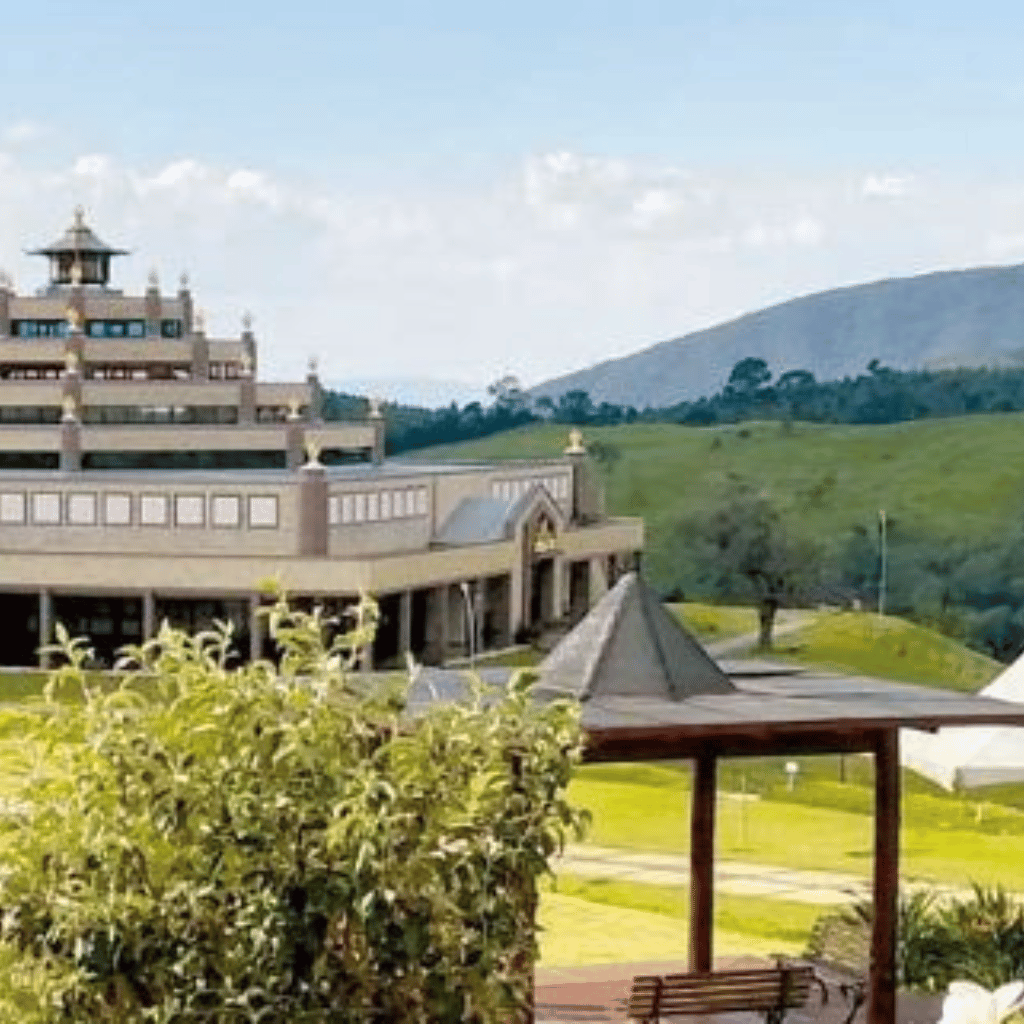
<point x="282" y="844"/>
<point x="574" y="407"/>
<point x="745" y="549"/>
<point x="748" y="376"/>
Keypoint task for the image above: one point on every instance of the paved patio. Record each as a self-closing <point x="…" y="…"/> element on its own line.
<point x="596" y="995"/>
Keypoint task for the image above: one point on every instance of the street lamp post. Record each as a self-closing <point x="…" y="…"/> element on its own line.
<point x="884" y="567"/>
<point x="471" y="621"/>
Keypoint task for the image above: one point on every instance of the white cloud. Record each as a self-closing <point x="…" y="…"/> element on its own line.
<point x="23" y="133"/>
<point x="564" y="260"/>
<point x="886" y="186"/>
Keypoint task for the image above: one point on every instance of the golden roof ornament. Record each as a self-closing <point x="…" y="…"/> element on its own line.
<point x="74" y="319"/>
<point x="79" y="216"/>
<point x="246" y="364"/>
<point x="375" y="411"/>
<point x="71" y="361"/>
<point x="314" y="365"/>
<point x="70" y="414"/>
<point x="153" y="280"/>
<point x="575" y="443"/>
<point x="312" y="449"/>
<point x="76" y="273"/>
<point x="293" y="408"/>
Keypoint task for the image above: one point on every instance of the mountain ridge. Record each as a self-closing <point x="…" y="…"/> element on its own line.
<point x="938" y="320"/>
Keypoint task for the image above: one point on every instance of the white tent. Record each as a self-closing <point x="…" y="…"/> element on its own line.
<point x="964" y="757"/>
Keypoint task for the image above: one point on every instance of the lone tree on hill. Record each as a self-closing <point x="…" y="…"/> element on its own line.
<point x="744" y="549"/>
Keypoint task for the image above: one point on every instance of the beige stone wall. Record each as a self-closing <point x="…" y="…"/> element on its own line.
<point x="15" y="438"/>
<point x="156" y="393"/>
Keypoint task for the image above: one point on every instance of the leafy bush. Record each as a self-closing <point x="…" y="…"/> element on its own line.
<point x="979" y="938"/>
<point x="205" y="845"/>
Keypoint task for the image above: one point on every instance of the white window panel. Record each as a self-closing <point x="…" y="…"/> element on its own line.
<point x="263" y="511"/>
<point x="12" y="507"/>
<point x="398" y="504"/>
<point x="153" y="509"/>
<point x="117" y="509"/>
<point x="421" y="501"/>
<point x="226" y="510"/>
<point x="82" y="509"/>
<point x="333" y="510"/>
<point x="360" y="508"/>
<point x="385" y="504"/>
<point x="189" y="510"/>
<point x="346" y="508"/>
<point x="372" y="507"/>
<point x="45" y="508"/>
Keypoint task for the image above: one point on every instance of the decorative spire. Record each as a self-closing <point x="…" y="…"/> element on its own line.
<point x="199" y="321"/>
<point x="76" y="273"/>
<point x="314" y="365"/>
<point x="183" y="281"/>
<point x="153" y="280"/>
<point x="71" y="362"/>
<point x="79" y="216"/>
<point x="245" y="362"/>
<point x="375" y="413"/>
<point x="247" y="322"/>
<point x="74" y="319"/>
<point x="70" y="414"/>
<point x="293" y="408"/>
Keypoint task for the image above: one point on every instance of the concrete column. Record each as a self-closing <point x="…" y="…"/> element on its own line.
<point x="404" y="622"/>
<point x="70" y="445"/>
<point x="153" y="307"/>
<point x="200" y="368"/>
<point x="518" y="583"/>
<point x="45" y="625"/>
<point x="246" y="398"/>
<point x="295" y="439"/>
<point x="444" y="614"/>
<point x="5" y="308"/>
<point x="315" y="409"/>
<point x="149" y="625"/>
<point x="255" y="628"/>
<point x="187" y="312"/>
<point x="558" y="588"/>
<point x="598" y="579"/>
<point x="313" y="523"/>
<point x="378" y="440"/>
<point x="479" y="593"/>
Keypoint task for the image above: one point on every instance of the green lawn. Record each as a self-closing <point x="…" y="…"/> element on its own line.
<point x="709" y="622"/>
<point x="890" y="648"/>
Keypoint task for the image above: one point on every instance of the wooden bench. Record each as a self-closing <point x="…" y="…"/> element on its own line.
<point x="768" y="990"/>
<point x="839" y="948"/>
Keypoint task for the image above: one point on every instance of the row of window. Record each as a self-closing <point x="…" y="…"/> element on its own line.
<point x="87" y="508"/>
<point x="377" y="506"/>
<point x="511" y="490"/>
<point x="117" y="414"/>
<point x="93" y="328"/>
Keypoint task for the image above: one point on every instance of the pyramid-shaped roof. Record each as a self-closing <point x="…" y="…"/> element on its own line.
<point x="630" y="645"/>
<point x="79" y="238"/>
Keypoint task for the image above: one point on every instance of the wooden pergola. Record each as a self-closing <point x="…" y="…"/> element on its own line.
<point x="650" y="692"/>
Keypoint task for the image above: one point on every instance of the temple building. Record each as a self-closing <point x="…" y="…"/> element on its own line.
<point x="147" y="474"/>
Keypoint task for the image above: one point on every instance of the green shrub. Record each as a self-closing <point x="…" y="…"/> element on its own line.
<point x="205" y="845"/>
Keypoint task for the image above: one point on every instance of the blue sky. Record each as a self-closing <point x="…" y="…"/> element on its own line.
<point x="463" y="190"/>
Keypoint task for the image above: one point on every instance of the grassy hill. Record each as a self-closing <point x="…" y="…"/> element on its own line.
<point x="956" y="480"/>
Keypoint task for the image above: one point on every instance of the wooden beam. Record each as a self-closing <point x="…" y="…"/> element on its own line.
<point x="882" y="997"/>
<point x="702" y="862"/>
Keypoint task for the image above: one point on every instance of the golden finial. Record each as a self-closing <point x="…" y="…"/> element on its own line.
<point x="314" y="365"/>
<point x="153" y="280"/>
<point x="312" y="449"/>
<point x="247" y="321"/>
<point x="71" y="361"/>
<point x="375" y="413"/>
<point x="199" y="321"/>
<point x="246" y="364"/>
<point x="74" y="319"/>
<point x="293" y="408"/>
<point x="575" y="442"/>
<point x="79" y="216"/>
<point x="76" y="273"/>
<point x="70" y="409"/>
<point x="183" y="281"/>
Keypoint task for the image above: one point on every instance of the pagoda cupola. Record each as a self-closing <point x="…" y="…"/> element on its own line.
<point x="78" y="257"/>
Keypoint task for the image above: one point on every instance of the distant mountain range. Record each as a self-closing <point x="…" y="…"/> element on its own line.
<point x="940" y="320"/>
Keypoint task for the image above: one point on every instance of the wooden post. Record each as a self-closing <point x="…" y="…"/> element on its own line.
<point x="882" y="997"/>
<point x="702" y="863"/>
